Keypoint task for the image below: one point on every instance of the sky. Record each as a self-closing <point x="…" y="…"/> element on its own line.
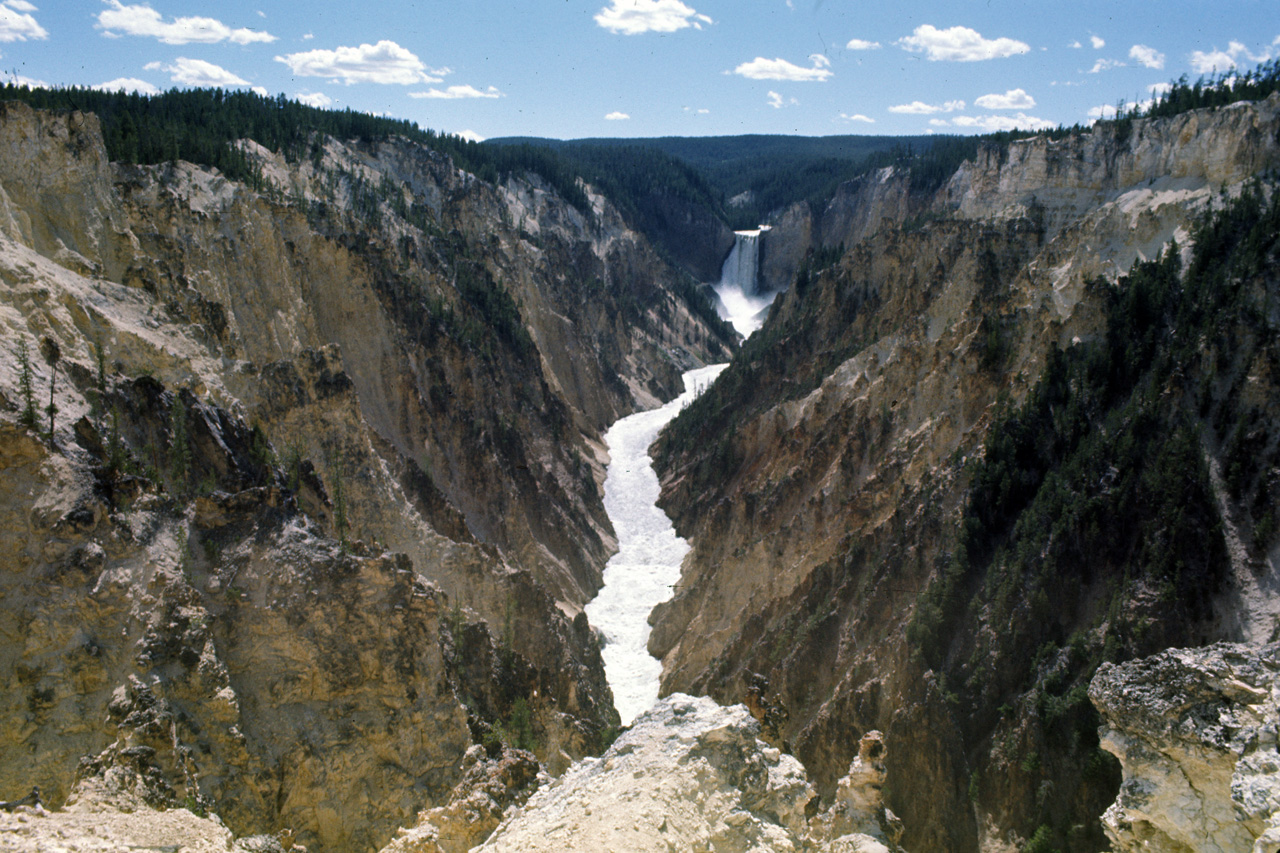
<point x="642" y="68"/>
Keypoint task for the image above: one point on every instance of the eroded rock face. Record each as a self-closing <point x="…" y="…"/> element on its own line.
<point x="1196" y="733"/>
<point x="324" y="509"/>
<point x="692" y="775"/>
<point x="820" y="482"/>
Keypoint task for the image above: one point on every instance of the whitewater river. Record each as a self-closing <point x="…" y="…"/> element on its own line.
<point x="647" y="565"/>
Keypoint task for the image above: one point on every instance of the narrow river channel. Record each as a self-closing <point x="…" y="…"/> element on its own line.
<point x="645" y="569"/>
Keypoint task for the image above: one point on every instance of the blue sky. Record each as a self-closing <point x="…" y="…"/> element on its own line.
<point x="577" y="68"/>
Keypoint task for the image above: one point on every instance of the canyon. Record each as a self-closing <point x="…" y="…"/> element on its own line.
<point x="305" y="548"/>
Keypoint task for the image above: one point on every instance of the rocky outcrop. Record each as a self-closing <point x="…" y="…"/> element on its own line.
<point x="691" y="775"/>
<point x="1195" y="731"/>
<point x="822" y="481"/>
<point x="489" y="789"/>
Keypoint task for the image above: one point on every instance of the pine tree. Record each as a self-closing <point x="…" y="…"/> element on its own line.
<point x="28" y="418"/>
<point x="52" y="354"/>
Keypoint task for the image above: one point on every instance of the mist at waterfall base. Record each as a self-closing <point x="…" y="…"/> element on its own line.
<point x="647" y="566"/>
<point x="739" y="300"/>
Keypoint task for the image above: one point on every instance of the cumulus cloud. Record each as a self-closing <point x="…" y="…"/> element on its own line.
<point x="1075" y="45"/>
<point x="314" y="99"/>
<point x="16" y="23"/>
<point x="1149" y="57"/>
<point x="857" y="117"/>
<point x="384" y="62"/>
<point x="1158" y="89"/>
<point x="1103" y="111"/>
<point x="632" y="17"/>
<point x="1014" y="99"/>
<point x="1207" y="62"/>
<point x="1098" y="44"/>
<point x="862" y="44"/>
<point x="23" y="80"/>
<point x="993" y="123"/>
<point x="128" y="84"/>
<point x="780" y="69"/>
<point x="197" y="72"/>
<point x="471" y="136"/>
<point x="920" y="108"/>
<point x="141" y="20"/>
<point x="1105" y="65"/>
<point x="958" y="44"/>
<point x="617" y="115"/>
<point x="455" y="93"/>
<point x="778" y="102"/>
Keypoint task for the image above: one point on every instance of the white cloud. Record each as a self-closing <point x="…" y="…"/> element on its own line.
<point x="1216" y="60"/>
<point x="958" y="44"/>
<point x="145" y="21"/>
<point x="632" y="17"/>
<point x="197" y="72"/>
<point x="308" y="36"/>
<point x="314" y="99"/>
<point x="1098" y="44"/>
<point x="779" y="69"/>
<point x="857" y="117"/>
<point x="1149" y="57"/>
<point x="454" y="93"/>
<point x="1075" y="45"/>
<point x="992" y="123"/>
<point x="939" y="122"/>
<point x="1103" y="111"/>
<point x="778" y="102"/>
<point x="617" y="115"/>
<point x="1158" y="89"/>
<point x="384" y="62"/>
<point x="1014" y="99"/>
<point x="471" y="136"/>
<point x="128" y="84"/>
<point x="30" y="83"/>
<point x="862" y="44"/>
<point x="920" y="108"/>
<point x="1105" y="65"/>
<point x="17" y="25"/>
<point x="260" y="90"/>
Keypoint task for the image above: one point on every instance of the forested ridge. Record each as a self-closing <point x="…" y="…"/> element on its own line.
<point x="738" y="179"/>
<point x="201" y="125"/>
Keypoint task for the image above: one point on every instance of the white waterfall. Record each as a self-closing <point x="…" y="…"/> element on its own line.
<point x="647" y="566"/>
<point x="740" y="302"/>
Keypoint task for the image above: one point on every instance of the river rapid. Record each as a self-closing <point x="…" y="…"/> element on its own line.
<point x="647" y="566"/>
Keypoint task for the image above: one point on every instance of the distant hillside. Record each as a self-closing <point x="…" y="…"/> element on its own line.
<point x="755" y="174"/>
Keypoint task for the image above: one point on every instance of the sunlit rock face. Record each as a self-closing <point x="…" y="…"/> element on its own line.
<point x="1195" y="731"/>
<point x="692" y="775"/>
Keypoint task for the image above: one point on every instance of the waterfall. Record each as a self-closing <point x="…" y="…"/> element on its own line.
<point x="647" y="566"/>
<point x="740" y="301"/>
<point x="742" y="268"/>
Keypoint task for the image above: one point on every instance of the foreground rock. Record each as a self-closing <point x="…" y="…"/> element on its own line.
<point x="1195" y="730"/>
<point x="692" y="775"/>
<point x="115" y="807"/>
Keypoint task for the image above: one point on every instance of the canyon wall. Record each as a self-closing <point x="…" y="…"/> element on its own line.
<point x="320" y="502"/>
<point x="920" y="502"/>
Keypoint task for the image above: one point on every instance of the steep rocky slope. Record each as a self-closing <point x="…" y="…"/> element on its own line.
<point x="1195" y="730"/>
<point x="970" y="460"/>
<point x="320" y="501"/>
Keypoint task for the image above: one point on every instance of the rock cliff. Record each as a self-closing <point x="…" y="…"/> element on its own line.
<point x="874" y="546"/>
<point x="320" y="501"/>
<point x="1195" y="731"/>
